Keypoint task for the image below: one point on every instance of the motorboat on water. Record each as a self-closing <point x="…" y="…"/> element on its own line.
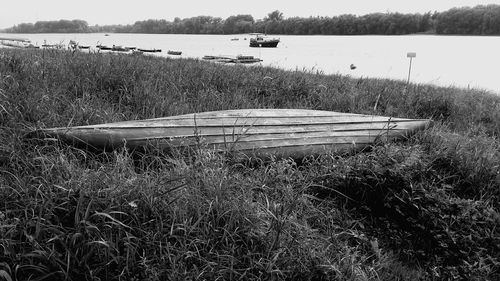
<point x="260" y="40"/>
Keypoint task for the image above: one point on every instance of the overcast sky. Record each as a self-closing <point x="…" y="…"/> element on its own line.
<point x="104" y="12"/>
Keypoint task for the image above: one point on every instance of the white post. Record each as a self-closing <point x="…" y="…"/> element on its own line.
<point x="410" y="55"/>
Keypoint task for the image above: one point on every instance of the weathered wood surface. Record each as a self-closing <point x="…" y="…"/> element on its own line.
<point x="284" y="132"/>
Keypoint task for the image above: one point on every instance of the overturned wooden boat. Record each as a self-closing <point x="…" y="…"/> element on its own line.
<point x="282" y="132"/>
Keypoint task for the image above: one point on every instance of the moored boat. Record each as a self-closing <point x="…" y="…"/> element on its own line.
<point x="137" y="52"/>
<point x="15" y="42"/>
<point x="209" y="57"/>
<point x="31" y="46"/>
<point x="73" y="45"/>
<point x="262" y="41"/>
<point x="149" y="50"/>
<point x="263" y="132"/>
<point x="53" y="46"/>
<point x="104" y="48"/>
<point x="118" y="48"/>
<point x="232" y="59"/>
<point x="175" y="53"/>
<point x="247" y="59"/>
<point x="216" y="58"/>
<point x="15" y="39"/>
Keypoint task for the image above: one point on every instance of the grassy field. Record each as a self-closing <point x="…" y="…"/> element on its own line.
<point x="422" y="209"/>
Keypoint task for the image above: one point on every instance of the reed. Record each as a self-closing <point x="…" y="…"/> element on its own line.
<point x="423" y="209"/>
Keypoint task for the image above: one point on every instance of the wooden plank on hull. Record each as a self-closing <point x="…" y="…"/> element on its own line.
<point x="245" y="130"/>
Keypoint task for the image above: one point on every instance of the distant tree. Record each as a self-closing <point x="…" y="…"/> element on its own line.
<point x="22" y="28"/>
<point x="274" y="16"/>
<point x="238" y="24"/>
<point x="491" y="20"/>
<point x="61" y="26"/>
<point x="479" y="20"/>
<point x="425" y="22"/>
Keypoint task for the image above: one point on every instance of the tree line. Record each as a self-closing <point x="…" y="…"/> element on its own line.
<point x="60" y="26"/>
<point x="478" y="20"/>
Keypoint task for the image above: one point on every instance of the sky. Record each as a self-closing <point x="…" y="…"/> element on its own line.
<point x="104" y="12"/>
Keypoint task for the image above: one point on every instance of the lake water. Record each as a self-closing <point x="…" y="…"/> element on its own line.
<point x="462" y="61"/>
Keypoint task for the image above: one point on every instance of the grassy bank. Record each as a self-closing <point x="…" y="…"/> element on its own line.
<point x="423" y="209"/>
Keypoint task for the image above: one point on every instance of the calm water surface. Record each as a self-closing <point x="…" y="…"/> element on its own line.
<point x="462" y="61"/>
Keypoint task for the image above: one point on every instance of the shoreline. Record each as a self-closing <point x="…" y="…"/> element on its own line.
<point x="431" y="66"/>
<point x="422" y="208"/>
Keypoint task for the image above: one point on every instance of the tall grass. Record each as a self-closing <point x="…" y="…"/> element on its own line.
<point x="423" y="209"/>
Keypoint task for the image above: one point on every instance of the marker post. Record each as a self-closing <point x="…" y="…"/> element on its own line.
<point x="410" y="55"/>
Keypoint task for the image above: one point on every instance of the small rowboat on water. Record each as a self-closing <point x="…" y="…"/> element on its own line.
<point x="282" y="132"/>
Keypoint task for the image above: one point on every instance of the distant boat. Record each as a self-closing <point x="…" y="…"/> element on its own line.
<point x="31" y="46"/>
<point x="175" y="53"/>
<point x="53" y="46"/>
<point x="17" y="39"/>
<point x="292" y="133"/>
<point x="76" y="46"/>
<point x="262" y="41"/>
<point x="149" y="50"/>
<point x="137" y="52"/>
<point x="104" y="48"/>
<point x="209" y="57"/>
<point x="17" y="44"/>
<point x="235" y="39"/>
<point x="73" y="44"/>
<point x="50" y="46"/>
<point x="232" y="59"/>
<point x="117" y="48"/>
<point x="246" y="59"/>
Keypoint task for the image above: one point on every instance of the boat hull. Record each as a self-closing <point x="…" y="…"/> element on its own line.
<point x="264" y="44"/>
<point x="263" y="132"/>
<point x="149" y="50"/>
